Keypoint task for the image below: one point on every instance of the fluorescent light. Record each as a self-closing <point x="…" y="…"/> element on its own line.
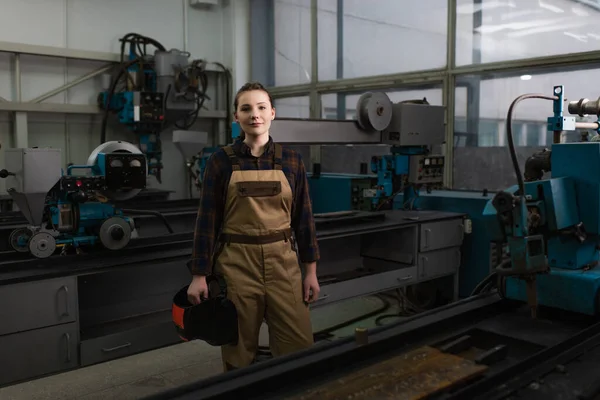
<point x="525" y="77"/>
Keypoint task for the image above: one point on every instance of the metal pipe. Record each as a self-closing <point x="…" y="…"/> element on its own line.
<point x="587" y="125"/>
<point x="18" y="77"/>
<point x="69" y="85"/>
<point x="185" y="25"/>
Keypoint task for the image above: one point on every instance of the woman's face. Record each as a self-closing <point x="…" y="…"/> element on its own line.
<point x="254" y="112"/>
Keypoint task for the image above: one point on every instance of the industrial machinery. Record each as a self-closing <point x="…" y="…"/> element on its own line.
<point x="68" y="210"/>
<point x="552" y="226"/>
<point x="412" y="129"/>
<point x="157" y="90"/>
<point x="194" y="149"/>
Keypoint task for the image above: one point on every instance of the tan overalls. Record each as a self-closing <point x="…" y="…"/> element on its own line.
<point x="258" y="260"/>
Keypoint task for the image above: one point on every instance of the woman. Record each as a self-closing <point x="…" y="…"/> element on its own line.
<point x="254" y="195"/>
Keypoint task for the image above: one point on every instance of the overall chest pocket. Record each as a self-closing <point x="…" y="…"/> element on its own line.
<point x="258" y="189"/>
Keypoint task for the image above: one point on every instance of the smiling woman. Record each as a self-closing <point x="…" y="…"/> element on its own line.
<point x="255" y="211"/>
<point x="254" y="121"/>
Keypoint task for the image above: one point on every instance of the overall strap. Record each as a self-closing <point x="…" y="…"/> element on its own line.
<point x="277" y="163"/>
<point x="232" y="157"/>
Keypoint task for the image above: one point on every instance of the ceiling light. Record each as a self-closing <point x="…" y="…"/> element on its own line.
<point x="525" y="77"/>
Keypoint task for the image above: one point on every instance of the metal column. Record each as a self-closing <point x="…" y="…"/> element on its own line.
<point x="21" y="136"/>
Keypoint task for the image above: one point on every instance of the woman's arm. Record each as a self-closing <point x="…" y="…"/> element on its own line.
<point x="303" y="221"/>
<point x="210" y="215"/>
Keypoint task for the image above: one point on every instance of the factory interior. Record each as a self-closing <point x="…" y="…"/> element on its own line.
<point x="450" y="171"/>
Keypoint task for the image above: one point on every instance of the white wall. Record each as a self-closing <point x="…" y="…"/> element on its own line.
<point x="397" y="36"/>
<point x="219" y="34"/>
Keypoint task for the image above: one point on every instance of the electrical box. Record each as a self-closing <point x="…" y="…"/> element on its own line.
<point x="203" y="3"/>
<point x="416" y="125"/>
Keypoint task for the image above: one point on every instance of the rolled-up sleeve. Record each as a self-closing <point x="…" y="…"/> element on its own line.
<point x="303" y="221"/>
<point x="209" y="218"/>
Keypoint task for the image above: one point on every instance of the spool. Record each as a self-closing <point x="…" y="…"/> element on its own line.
<point x="374" y="111"/>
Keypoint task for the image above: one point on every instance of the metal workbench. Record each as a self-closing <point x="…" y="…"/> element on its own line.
<point x="93" y="308"/>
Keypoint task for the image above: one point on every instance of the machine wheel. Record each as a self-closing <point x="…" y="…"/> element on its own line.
<point x="21" y="233"/>
<point x="115" y="233"/>
<point x="374" y="111"/>
<point x="42" y="245"/>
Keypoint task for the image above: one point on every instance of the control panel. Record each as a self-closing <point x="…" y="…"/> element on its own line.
<point x="85" y="183"/>
<point x="125" y="171"/>
<point x="363" y="192"/>
<point x="426" y="169"/>
<point x="149" y="107"/>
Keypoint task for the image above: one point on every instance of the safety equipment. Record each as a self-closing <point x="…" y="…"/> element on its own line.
<point x="214" y="320"/>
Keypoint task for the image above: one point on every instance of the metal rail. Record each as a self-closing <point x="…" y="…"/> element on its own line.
<point x="267" y="380"/>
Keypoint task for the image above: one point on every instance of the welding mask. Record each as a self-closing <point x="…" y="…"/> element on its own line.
<point x="214" y="320"/>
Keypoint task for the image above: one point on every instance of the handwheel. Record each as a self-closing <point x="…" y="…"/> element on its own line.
<point x="19" y="239"/>
<point x="42" y="245"/>
<point x="115" y="233"/>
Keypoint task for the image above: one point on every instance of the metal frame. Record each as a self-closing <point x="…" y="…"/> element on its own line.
<point x="446" y="75"/>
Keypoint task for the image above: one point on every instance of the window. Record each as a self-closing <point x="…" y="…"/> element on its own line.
<point x="292" y="107"/>
<point x="292" y="42"/>
<point x="492" y="31"/>
<point x="381" y="39"/>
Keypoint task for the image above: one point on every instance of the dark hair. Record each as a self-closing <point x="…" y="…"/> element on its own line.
<point x="247" y="88"/>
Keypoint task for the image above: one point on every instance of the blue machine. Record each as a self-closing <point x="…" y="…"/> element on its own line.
<point x="552" y="226"/>
<point x="65" y="210"/>
<point x="158" y="90"/>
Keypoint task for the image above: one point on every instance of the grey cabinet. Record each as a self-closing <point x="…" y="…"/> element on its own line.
<point x="441" y="234"/>
<point x="33" y="305"/>
<point x="21" y="357"/>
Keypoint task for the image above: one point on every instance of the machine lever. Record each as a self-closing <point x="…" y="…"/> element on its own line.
<point x="5" y="174"/>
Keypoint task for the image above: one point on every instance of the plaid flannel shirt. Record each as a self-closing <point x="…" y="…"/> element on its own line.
<point x="214" y="191"/>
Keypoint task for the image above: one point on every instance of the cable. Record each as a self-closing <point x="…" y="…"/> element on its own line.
<point x="265" y="351"/>
<point x="509" y="135"/>
<point x="152" y="213"/>
<point x="111" y="91"/>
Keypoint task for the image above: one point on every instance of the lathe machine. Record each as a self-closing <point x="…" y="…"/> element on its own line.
<point x="69" y="210"/>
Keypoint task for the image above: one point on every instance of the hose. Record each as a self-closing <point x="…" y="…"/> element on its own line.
<point x="111" y="91"/>
<point x="153" y="213"/>
<point x="488" y="281"/>
<point x="407" y="308"/>
<point x="509" y="135"/>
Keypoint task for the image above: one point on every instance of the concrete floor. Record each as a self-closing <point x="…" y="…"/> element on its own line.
<point x="144" y="374"/>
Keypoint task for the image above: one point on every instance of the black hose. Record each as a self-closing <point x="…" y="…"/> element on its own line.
<point x="488" y="280"/>
<point x="147" y="212"/>
<point x="509" y="135"/>
<point x="111" y="90"/>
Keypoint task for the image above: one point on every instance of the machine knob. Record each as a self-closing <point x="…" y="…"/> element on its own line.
<point x="117" y="233"/>
<point x="5" y="174"/>
<point x="503" y="202"/>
